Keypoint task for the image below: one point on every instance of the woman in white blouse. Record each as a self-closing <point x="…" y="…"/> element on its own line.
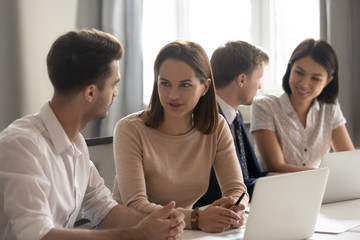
<point x="293" y="131"/>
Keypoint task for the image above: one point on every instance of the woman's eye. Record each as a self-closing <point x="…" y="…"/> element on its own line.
<point x="300" y="73"/>
<point x="187" y="85"/>
<point x="164" y="84"/>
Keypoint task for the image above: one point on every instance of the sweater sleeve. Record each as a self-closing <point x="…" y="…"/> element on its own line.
<point x="226" y="165"/>
<point x="130" y="186"/>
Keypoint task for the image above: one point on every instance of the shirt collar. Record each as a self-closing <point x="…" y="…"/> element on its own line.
<point x="56" y="131"/>
<point x="288" y="108"/>
<point x="229" y="112"/>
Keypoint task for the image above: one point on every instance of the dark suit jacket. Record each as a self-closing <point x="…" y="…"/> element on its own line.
<point x="214" y="192"/>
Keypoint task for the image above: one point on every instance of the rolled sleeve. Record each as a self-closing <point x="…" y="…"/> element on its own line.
<point x="261" y="116"/>
<point x="338" y="118"/>
<point x="97" y="201"/>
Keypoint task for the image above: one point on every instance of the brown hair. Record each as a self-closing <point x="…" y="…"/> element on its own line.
<point x="80" y="58"/>
<point x="234" y="58"/>
<point x="205" y="113"/>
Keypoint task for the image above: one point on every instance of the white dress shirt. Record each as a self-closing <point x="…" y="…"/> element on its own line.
<point x="45" y="179"/>
<point x="301" y="146"/>
<point x="229" y="111"/>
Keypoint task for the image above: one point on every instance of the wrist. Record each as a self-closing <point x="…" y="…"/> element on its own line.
<point x="195" y="218"/>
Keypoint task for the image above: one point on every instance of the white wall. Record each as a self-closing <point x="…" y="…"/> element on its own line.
<point x="41" y="22"/>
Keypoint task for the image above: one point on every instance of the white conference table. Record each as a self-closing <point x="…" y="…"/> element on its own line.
<point x="237" y="234"/>
<point x="341" y="218"/>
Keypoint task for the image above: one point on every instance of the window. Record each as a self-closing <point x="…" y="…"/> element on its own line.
<point x="277" y="26"/>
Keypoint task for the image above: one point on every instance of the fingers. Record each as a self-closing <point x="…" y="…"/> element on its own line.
<point x="171" y="204"/>
<point x="217" y="219"/>
<point x="176" y="218"/>
<point x="177" y="231"/>
<point x="229" y="219"/>
<point x="224" y="201"/>
<point x="229" y="216"/>
<point x="241" y="222"/>
<point x="238" y="208"/>
<point x="177" y="222"/>
<point x="165" y="211"/>
<point x="165" y="223"/>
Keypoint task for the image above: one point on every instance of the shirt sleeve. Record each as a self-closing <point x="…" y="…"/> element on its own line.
<point x="338" y="118"/>
<point x="262" y="115"/>
<point x="24" y="188"/>
<point x="97" y="200"/>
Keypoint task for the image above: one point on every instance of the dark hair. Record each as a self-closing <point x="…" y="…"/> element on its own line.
<point x="80" y="58"/>
<point x="234" y="58"/>
<point x="321" y="52"/>
<point x="205" y="112"/>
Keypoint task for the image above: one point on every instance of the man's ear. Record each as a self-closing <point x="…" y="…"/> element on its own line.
<point x="90" y="92"/>
<point x="240" y="80"/>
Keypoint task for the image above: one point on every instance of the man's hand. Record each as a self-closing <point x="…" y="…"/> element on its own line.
<point x="166" y="223"/>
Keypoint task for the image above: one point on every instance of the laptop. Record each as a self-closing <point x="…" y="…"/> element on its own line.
<point x="286" y="206"/>
<point x="344" y="178"/>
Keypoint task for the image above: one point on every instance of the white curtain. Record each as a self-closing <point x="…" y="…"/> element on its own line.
<point x="10" y="90"/>
<point x="340" y="26"/>
<point x="123" y="19"/>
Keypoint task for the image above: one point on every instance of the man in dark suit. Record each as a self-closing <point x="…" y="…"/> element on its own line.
<point x="238" y="67"/>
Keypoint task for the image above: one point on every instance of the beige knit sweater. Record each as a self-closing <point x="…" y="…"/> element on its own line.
<point x="154" y="168"/>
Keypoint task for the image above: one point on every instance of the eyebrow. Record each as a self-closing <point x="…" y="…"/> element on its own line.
<point x="182" y="81"/>
<point x="314" y="74"/>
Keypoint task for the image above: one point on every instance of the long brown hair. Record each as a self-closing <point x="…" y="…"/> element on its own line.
<point x="205" y="114"/>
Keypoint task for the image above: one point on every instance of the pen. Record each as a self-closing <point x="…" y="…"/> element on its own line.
<point x="240" y="198"/>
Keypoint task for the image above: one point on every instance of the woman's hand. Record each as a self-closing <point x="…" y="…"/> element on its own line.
<point x="228" y="202"/>
<point x="240" y="210"/>
<point x="219" y="216"/>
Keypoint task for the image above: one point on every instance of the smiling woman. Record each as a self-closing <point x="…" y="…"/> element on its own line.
<point x="294" y="131"/>
<point x="307" y="80"/>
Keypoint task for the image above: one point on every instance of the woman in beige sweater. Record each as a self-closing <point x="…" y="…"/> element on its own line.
<point x="166" y="152"/>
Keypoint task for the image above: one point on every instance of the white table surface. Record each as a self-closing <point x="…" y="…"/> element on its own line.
<point x="237" y="234"/>
<point x="350" y="234"/>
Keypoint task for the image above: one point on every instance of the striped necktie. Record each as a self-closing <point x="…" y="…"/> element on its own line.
<point x="240" y="144"/>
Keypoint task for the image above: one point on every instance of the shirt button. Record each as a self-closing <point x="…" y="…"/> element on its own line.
<point x="305" y="150"/>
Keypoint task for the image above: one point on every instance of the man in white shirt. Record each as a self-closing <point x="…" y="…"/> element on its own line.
<point x="46" y="176"/>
